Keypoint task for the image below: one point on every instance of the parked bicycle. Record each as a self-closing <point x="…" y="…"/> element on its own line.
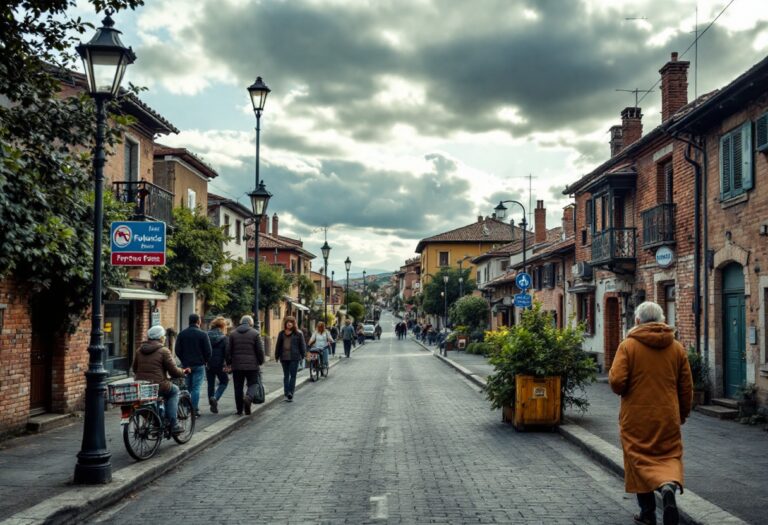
<point x="143" y="417"/>
<point x="316" y="366"/>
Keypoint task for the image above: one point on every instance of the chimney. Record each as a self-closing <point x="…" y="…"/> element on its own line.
<point x="479" y="218"/>
<point x="569" y="221"/>
<point x="631" y="126"/>
<point x="274" y="225"/>
<point x="674" y="86"/>
<point x="616" y="140"/>
<point x="540" y="223"/>
<point x="263" y="224"/>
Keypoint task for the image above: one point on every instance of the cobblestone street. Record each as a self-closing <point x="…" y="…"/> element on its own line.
<point x="393" y="436"/>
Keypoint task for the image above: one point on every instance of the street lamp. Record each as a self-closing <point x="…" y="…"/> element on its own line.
<point x="347" y="265"/>
<point x="501" y="212"/>
<point x="445" y="298"/>
<point x="326" y="252"/>
<point x="333" y="297"/>
<point x="258" y="92"/>
<point x="105" y="59"/>
<point x="365" y="304"/>
<point x="461" y="287"/>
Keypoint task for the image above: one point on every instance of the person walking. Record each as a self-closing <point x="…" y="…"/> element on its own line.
<point x="377" y="331"/>
<point x="360" y="334"/>
<point x="245" y="354"/>
<point x="334" y="336"/>
<point x="347" y="336"/>
<point x="215" y="368"/>
<point x="193" y="348"/>
<point x="652" y="375"/>
<point x="290" y="348"/>
<point x="153" y="362"/>
<point x="321" y="341"/>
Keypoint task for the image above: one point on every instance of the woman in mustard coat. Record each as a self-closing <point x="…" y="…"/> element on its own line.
<point x="652" y="375"/>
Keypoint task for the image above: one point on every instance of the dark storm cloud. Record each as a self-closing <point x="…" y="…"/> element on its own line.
<point x="561" y="70"/>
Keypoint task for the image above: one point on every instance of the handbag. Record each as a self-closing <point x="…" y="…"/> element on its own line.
<point x="256" y="391"/>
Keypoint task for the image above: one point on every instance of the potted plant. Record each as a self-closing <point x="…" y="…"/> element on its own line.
<point x="462" y="337"/>
<point x="700" y="376"/>
<point x="537" y="356"/>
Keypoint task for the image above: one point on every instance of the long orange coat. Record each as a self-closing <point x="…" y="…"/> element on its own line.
<point x="652" y="375"/>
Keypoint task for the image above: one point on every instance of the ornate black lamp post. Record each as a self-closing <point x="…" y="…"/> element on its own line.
<point x="326" y="251"/>
<point x="347" y="265"/>
<point x="105" y="59"/>
<point x="259" y="196"/>
<point x="445" y="302"/>
<point x="501" y="212"/>
<point x="333" y="297"/>
<point x="365" y="302"/>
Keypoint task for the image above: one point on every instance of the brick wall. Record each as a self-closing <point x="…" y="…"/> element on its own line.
<point x="70" y="362"/>
<point x="15" y="346"/>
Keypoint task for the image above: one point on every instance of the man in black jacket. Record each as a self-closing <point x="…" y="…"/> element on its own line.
<point x="245" y="354"/>
<point x="193" y="348"/>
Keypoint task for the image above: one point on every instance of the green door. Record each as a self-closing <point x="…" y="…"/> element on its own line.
<point x="734" y="330"/>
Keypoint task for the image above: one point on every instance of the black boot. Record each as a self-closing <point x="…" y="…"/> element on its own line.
<point x="670" y="514"/>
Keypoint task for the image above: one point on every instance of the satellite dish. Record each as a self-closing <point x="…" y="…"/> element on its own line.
<point x="206" y="269"/>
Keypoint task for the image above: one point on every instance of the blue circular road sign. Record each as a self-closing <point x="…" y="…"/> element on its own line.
<point x="523" y="280"/>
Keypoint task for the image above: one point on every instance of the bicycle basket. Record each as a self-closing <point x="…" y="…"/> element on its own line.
<point x="130" y="391"/>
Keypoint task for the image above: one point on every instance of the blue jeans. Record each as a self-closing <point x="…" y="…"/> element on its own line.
<point x="211" y="376"/>
<point x="171" y="398"/>
<point x="324" y="353"/>
<point x="195" y="383"/>
<point x="290" y="368"/>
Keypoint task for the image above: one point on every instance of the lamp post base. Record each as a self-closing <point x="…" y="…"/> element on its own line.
<point x="93" y="461"/>
<point x="94" y="470"/>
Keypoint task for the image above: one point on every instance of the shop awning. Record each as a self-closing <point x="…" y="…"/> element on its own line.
<point x="296" y="303"/>
<point x="138" y="294"/>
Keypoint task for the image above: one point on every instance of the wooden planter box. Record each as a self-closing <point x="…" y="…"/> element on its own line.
<point x="462" y="342"/>
<point x="537" y="401"/>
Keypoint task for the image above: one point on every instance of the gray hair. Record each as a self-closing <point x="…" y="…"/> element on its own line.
<point x="246" y="319"/>
<point x="649" y="312"/>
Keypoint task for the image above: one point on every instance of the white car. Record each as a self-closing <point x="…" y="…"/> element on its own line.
<point x="369" y="331"/>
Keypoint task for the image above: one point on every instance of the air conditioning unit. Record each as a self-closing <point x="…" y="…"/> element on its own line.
<point x="582" y="270"/>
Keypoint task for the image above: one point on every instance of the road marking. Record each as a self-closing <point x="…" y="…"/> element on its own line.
<point x="379" y="507"/>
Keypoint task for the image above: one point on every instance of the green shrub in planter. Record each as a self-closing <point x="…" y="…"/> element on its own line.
<point x="698" y="370"/>
<point x="536" y="347"/>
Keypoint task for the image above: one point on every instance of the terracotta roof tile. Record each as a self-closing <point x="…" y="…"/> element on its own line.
<point x="487" y="230"/>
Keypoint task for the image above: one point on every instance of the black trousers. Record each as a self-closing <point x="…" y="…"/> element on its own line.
<point x="347" y="347"/>
<point x="647" y="502"/>
<point x="242" y="378"/>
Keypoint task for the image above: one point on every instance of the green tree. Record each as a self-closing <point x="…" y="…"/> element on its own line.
<point x="273" y="285"/>
<point x="354" y="297"/>
<point x="356" y="311"/>
<point x="433" y="302"/>
<point x="470" y="311"/>
<point x="45" y="162"/>
<point x="195" y="241"/>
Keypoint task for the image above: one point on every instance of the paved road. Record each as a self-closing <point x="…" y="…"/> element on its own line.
<point x="393" y="436"/>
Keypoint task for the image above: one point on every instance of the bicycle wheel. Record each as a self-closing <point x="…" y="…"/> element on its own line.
<point x="143" y="434"/>
<point x="185" y="416"/>
<point x="314" y="370"/>
<point x="325" y="369"/>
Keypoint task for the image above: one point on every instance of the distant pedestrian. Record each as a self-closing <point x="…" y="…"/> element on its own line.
<point x="335" y="336"/>
<point x="377" y="331"/>
<point x="193" y="348"/>
<point x="347" y="336"/>
<point x="652" y="375"/>
<point x="417" y="331"/>
<point x="321" y="341"/>
<point x="153" y="362"/>
<point x="360" y="335"/>
<point x="246" y="355"/>
<point x="290" y="348"/>
<point x="215" y="369"/>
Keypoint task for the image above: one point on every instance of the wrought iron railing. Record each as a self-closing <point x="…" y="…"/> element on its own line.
<point x="152" y="202"/>
<point x="659" y="225"/>
<point x="613" y="245"/>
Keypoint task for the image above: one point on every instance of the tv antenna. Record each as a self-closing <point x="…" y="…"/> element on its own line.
<point x="636" y="91"/>
<point x="636" y="18"/>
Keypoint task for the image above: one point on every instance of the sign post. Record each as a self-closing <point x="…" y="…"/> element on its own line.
<point x="523" y="281"/>
<point x="137" y="243"/>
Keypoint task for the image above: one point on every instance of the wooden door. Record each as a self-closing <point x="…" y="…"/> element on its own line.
<point x="734" y="330"/>
<point x="40" y="376"/>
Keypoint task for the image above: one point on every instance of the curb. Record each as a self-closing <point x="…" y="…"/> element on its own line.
<point x="77" y="504"/>
<point x="694" y="509"/>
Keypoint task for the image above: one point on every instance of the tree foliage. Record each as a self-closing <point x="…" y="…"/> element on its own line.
<point x="194" y="241"/>
<point x="239" y="281"/>
<point x="470" y="311"/>
<point x="356" y="311"/>
<point x="46" y="183"/>
<point x="432" y="302"/>
<point x="537" y="347"/>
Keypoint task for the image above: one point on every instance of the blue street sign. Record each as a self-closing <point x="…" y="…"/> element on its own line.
<point x="138" y="243"/>
<point x="523" y="280"/>
<point x="523" y="300"/>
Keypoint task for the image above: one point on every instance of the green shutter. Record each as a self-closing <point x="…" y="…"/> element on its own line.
<point x="747" y="173"/>
<point x="737" y="158"/>
<point x="761" y="132"/>
<point x="725" y="166"/>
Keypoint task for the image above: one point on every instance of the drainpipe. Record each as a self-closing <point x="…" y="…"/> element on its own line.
<point x="696" y="244"/>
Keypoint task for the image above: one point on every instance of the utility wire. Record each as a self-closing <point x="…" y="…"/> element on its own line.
<point x="692" y="44"/>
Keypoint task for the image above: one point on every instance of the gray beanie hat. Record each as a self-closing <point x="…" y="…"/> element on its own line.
<point x="156" y="332"/>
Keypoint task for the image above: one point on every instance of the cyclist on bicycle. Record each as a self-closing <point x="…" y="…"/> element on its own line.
<point x="321" y="341"/>
<point x="153" y="362"/>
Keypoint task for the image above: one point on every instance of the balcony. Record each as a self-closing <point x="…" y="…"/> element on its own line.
<point x="659" y="225"/>
<point x="614" y="248"/>
<point x="153" y="203"/>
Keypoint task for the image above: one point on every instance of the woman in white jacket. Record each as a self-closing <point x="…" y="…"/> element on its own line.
<point x="321" y="341"/>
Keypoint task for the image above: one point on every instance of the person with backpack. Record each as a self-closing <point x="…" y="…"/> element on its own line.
<point x="347" y="336"/>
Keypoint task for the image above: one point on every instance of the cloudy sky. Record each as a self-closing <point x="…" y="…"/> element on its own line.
<point x="391" y="120"/>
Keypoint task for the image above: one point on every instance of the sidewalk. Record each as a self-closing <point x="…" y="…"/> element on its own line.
<point x="36" y="470"/>
<point x="726" y="464"/>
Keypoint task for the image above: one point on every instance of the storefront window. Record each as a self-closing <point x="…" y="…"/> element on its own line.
<point x="117" y="337"/>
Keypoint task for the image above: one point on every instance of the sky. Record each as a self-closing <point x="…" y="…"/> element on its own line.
<point x="390" y="121"/>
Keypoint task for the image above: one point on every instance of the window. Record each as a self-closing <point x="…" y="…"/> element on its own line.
<point x="548" y="275"/>
<point x="589" y="214"/>
<point x="293" y="265"/>
<point x="586" y="312"/>
<point x="2" y="317"/>
<point x="583" y="237"/>
<point x="443" y="259"/>
<point x="131" y="161"/>
<point x="761" y="133"/>
<point x="239" y="231"/>
<point x="191" y="199"/>
<point x="664" y="179"/>
<point x="736" y="162"/>
<point x="226" y="225"/>
<point x="478" y="276"/>
<point x="504" y="265"/>
<point x="276" y="312"/>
